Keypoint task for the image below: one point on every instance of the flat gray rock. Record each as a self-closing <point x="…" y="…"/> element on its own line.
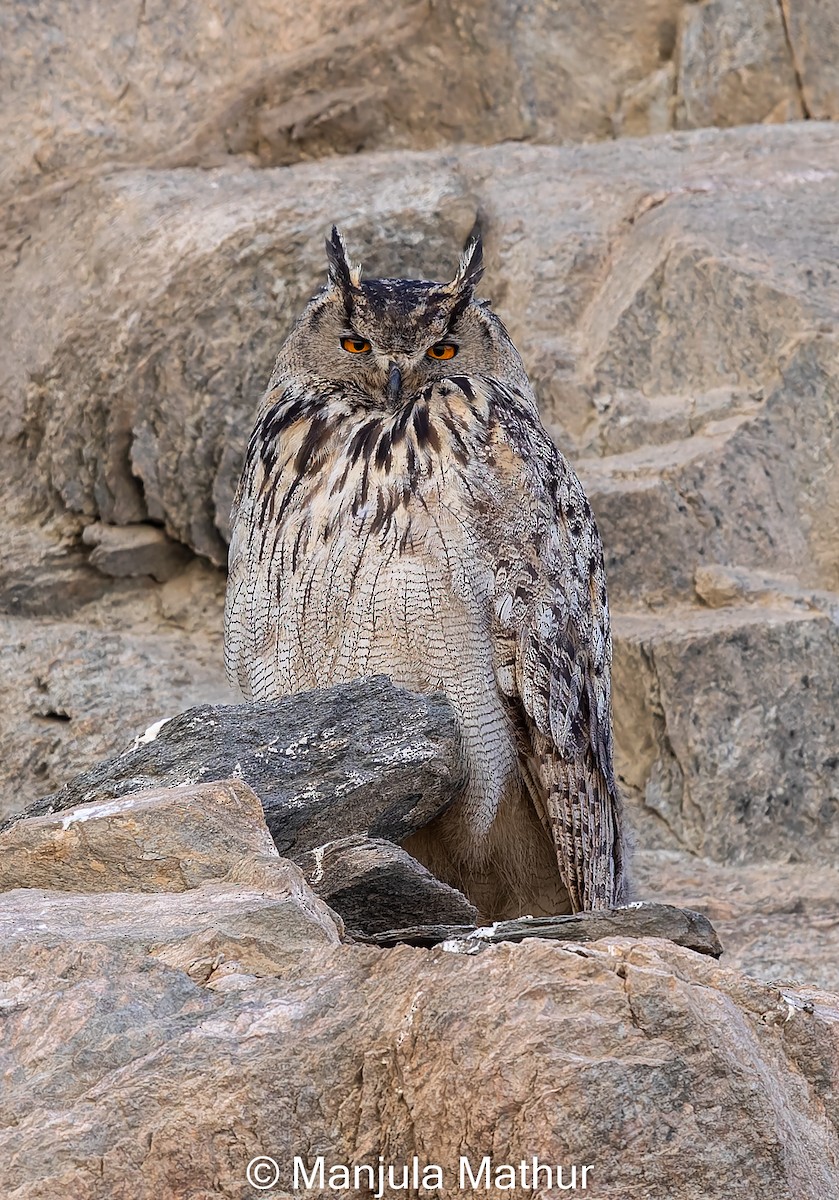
<point x="365" y="757"/>
<point x="682" y="926"/>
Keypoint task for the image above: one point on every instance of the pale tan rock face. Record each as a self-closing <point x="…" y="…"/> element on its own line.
<point x="776" y="920"/>
<point x="81" y="690"/>
<point x="128" y="844"/>
<point x="274" y="83"/>
<point x="813" y="31"/>
<point x="735" y="65"/>
<point x="727" y="731"/>
<point x="691" y="1080"/>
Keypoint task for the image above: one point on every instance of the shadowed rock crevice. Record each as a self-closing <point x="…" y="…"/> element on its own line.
<point x="783" y="5"/>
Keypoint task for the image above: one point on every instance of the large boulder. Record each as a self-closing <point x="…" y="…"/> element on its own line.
<point x="645" y="1062"/>
<point x="726" y="729"/>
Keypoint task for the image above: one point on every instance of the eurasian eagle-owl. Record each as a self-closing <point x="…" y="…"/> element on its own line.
<point x="403" y="511"/>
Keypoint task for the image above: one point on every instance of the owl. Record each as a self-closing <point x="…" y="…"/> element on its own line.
<point x="402" y="511"/>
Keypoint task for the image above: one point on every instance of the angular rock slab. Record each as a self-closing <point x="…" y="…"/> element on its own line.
<point x="362" y="757"/>
<point x="132" y="550"/>
<point x="670" y="1075"/>
<point x="726" y="730"/>
<point x="375" y="886"/>
<point x="163" y="840"/>
<point x="280" y="906"/>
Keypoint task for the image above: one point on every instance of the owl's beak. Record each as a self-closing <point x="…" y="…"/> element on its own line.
<point x="394" y="383"/>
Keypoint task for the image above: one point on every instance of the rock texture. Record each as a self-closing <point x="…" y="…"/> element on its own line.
<point x="777" y="921"/>
<point x="736" y="65"/>
<point x="129" y="844"/>
<point x="728" y="731"/>
<point x="269" y="84"/>
<point x="375" y="886"/>
<point x="122" y="550"/>
<point x="692" y="1080"/>
<point x="76" y="691"/>
<point x="361" y="758"/>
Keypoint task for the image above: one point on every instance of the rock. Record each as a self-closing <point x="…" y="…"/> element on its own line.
<point x="275" y="86"/>
<point x="260" y="927"/>
<point x="720" y="587"/>
<point x="744" y="488"/>
<point x="374" y="886"/>
<point x="650" y="1063"/>
<point x="726" y="731"/>
<point x="76" y="693"/>
<point x="814" y="41"/>
<point x="735" y="66"/>
<point x="193" y="599"/>
<point x="44" y="570"/>
<point x="365" y="757"/>
<point x="641" y="919"/>
<point x="153" y="841"/>
<point x="122" y="550"/>
<point x="647" y="107"/>
<point x="777" y="920"/>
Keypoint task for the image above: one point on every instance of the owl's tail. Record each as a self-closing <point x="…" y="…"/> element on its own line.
<point x="584" y="814"/>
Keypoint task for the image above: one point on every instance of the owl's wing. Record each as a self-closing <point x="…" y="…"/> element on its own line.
<point x="553" y="648"/>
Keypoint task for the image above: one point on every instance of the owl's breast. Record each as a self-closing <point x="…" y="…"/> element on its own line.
<point x="322" y="609"/>
<point x="363" y="546"/>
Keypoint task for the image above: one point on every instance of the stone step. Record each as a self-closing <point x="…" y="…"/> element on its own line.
<point x="726" y="729"/>
<point x="776" y="920"/>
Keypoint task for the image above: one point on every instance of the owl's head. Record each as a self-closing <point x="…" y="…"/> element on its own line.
<point x="386" y="339"/>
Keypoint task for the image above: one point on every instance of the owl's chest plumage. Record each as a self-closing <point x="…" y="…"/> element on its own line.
<point x="364" y="542"/>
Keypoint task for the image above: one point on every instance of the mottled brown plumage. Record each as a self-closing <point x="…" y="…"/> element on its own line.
<point x="408" y="514"/>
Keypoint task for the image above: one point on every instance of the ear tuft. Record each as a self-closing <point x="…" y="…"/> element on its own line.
<point x="471" y="266"/>
<point x="342" y="273"/>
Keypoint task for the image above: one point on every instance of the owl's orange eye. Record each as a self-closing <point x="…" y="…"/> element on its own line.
<point x="442" y="350"/>
<point x="355" y="345"/>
